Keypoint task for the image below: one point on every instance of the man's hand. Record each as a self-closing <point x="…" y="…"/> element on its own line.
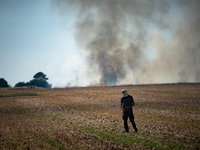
<point x="124" y="110"/>
<point x="127" y="108"/>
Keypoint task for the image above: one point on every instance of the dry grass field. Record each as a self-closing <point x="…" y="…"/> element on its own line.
<point x="167" y="117"/>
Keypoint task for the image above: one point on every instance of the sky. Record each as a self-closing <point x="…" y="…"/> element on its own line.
<point x="86" y="42"/>
<point x="33" y="38"/>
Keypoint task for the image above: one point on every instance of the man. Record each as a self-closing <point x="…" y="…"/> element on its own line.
<point x="126" y="105"/>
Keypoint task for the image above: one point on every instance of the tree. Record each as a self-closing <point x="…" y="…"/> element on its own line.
<point x="20" y="84"/>
<point x="3" y="83"/>
<point x="40" y="76"/>
<point x="40" y="80"/>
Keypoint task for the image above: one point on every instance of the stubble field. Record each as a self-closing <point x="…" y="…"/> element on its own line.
<point x="167" y="117"/>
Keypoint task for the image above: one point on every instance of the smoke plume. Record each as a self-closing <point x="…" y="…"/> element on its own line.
<point x="138" y="41"/>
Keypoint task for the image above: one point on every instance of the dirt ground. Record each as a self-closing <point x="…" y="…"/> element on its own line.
<point x="167" y="117"/>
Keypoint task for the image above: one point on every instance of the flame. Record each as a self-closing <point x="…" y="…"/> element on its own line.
<point x="102" y="85"/>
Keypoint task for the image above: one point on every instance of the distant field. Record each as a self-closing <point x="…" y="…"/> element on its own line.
<point x="167" y="117"/>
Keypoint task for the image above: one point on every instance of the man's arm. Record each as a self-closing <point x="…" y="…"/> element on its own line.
<point x="122" y="107"/>
<point x="127" y="108"/>
<point x="121" y="104"/>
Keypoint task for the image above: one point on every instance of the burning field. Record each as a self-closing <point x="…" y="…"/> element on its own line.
<point x="167" y="117"/>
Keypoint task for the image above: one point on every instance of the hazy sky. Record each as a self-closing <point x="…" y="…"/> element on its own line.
<point x="34" y="37"/>
<point x="84" y="42"/>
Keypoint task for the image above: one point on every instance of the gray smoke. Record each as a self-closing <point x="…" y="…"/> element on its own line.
<point x="119" y="36"/>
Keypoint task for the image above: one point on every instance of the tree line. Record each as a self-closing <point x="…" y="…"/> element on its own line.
<point x="39" y="79"/>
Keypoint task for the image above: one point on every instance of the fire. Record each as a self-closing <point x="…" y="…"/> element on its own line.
<point x="102" y="85"/>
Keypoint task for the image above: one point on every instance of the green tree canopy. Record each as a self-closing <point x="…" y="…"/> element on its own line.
<point x="3" y="83"/>
<point x="20" y="84"/>
<point x="40" y="76"/>
<point x="39" y="80"/>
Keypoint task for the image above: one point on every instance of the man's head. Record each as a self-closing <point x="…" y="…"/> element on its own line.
<point x="124" y="92"/>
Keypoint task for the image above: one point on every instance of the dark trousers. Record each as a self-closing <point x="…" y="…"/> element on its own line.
<point x="126" y="115"/>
